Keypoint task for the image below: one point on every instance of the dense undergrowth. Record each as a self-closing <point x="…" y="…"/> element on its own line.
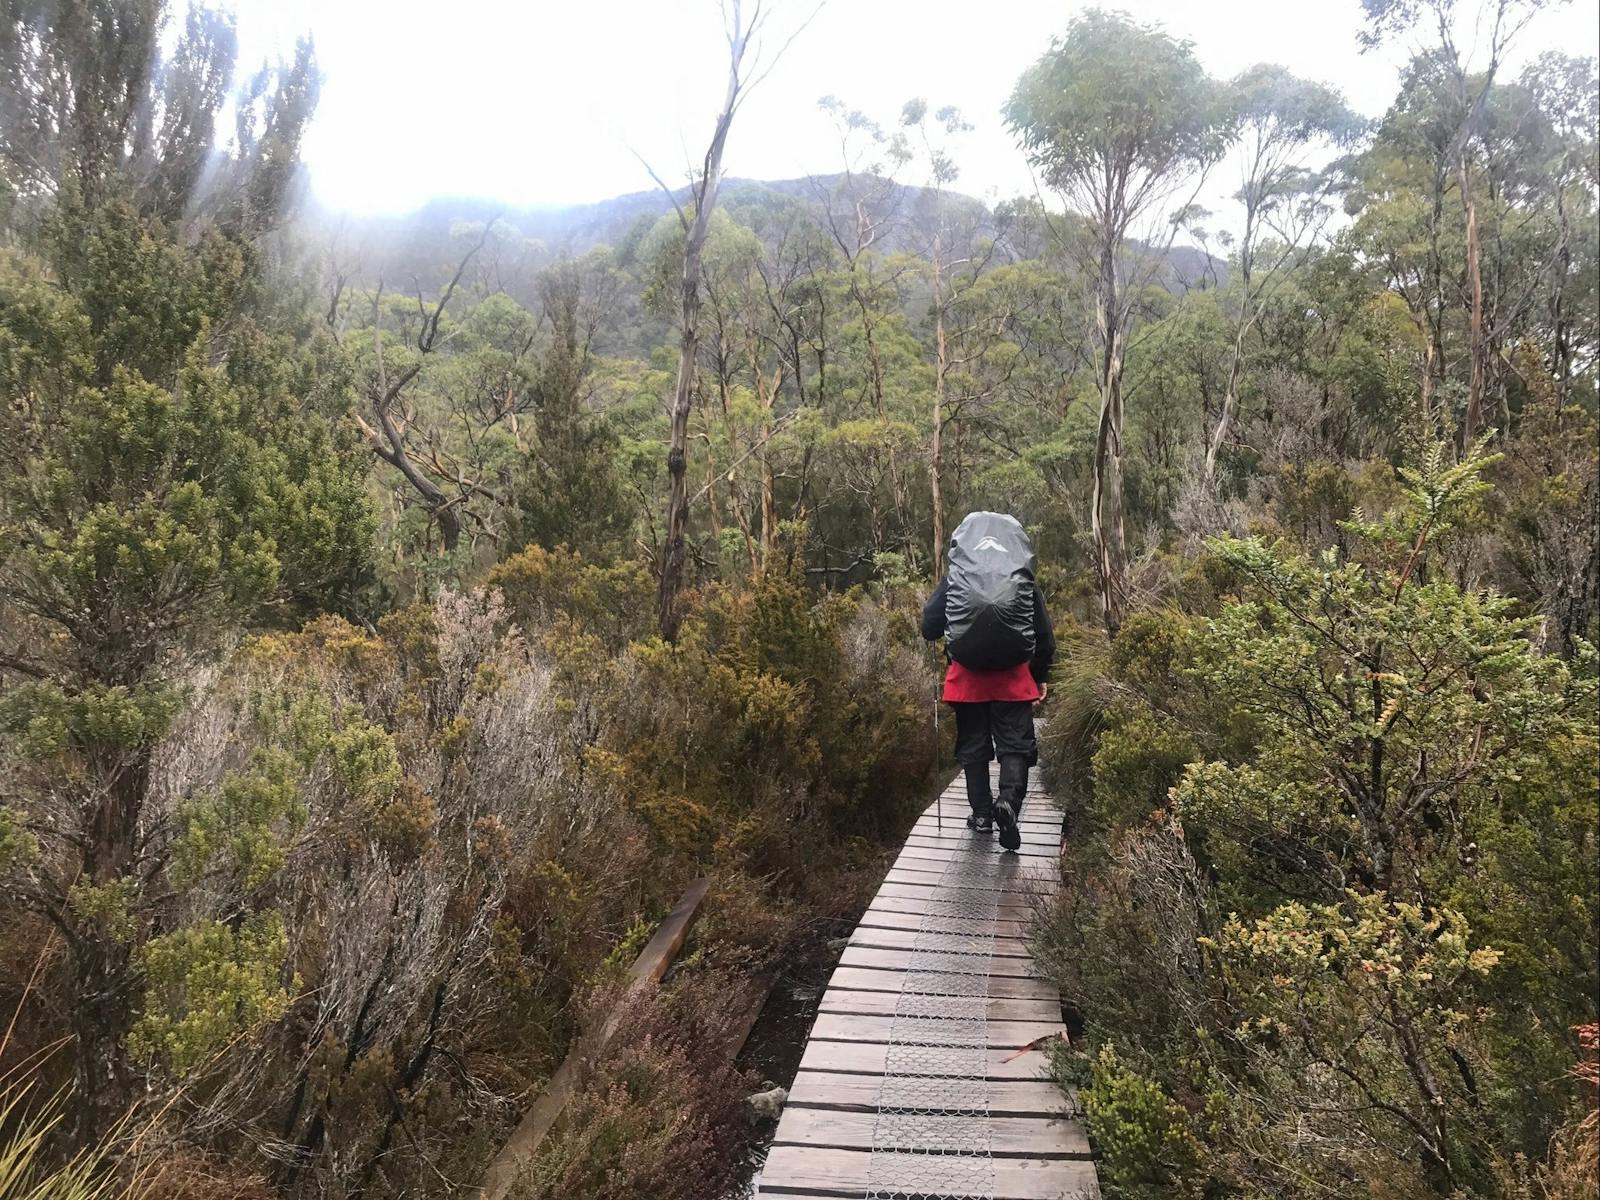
<point x="1329" y="909"/>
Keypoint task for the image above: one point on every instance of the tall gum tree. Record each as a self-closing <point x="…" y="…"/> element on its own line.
<point x="1279" y="120"/>
<point x="745" y="70"/>
<point x="1464" y="88"/>
<point x="1120" y="119"/>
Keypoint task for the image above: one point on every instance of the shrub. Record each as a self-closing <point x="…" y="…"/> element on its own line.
<point x="1147" y="1143"/>
<point x="660" y="1112"/>
<point x="1390" y="792"/>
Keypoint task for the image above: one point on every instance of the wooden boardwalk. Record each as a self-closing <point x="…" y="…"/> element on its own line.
<point x="918" y="1080"/>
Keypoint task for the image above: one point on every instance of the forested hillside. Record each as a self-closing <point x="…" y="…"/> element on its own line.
<point x="395" y="616"/>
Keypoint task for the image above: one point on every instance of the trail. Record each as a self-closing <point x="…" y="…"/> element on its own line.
<point x="925" y="1072"/>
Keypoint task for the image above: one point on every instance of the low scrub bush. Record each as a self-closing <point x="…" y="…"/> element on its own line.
<point x="660" y="1112"/>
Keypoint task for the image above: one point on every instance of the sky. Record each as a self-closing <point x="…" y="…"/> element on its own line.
<point x="535" y="102"/>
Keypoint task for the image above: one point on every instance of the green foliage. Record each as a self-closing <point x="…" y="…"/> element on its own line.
<point x="1348" y="722"/>
<point x="1139" y="758"/>
<point x="107" y="908"/>
<point x="365" y="762"/>
<point x="1148" y="1143"/>
<point x="245" y="823"/>
<point x="541" y="586"/>
<point x="1112" y="88"/>
<point x="1361" y="758"/>
<point x="210" y="984"/>
<point x="768" y="685"/>
<point x="174" y="471"/>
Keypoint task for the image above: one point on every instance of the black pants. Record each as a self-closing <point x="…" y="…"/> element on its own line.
<point x="994" y="729"/>
<point x="1000" y="729"/>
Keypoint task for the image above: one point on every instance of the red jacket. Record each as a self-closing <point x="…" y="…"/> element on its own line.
<point x="962" y="685"/>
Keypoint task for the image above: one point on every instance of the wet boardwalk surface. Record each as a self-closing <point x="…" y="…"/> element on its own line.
<point x="922" y="1077"/>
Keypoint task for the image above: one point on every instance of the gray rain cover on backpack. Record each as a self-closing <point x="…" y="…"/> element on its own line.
<point x="989" y="602"/>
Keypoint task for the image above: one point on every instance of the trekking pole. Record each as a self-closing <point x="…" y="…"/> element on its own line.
<point x="938" y="746"/>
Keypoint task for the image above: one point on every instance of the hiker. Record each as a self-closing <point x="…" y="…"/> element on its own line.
<point x="1000" y="645"/>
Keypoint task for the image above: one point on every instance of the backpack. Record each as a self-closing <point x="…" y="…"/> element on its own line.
<point x="990" y="593"/>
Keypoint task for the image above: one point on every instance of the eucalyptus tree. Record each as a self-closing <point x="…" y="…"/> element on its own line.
<point x="1464" y="86"/>
<point x="862" y="212"/>
<point x="950" y="267"/>
<point x="1119" y="118"/>
<point x="388" y="388"/>
<point x="1567" y="93"/>
<point x="1280" y="119"/>
<point x="696" y="223"/>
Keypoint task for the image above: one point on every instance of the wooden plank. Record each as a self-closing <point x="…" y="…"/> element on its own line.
<point x="1032" y="836"/>
<point x="921" y="892"/>
<point x="963" y="871"/>
<point x="1023" y="887"/>
<point x="1011" y="908"/>
<point x="1019" y="890"/>
<point x="1035" y="805"/>
<point x="890" y="912"/>
<point x="955" y="824"/>
<point x="1045" y="823"/>
<point x="1033" y="1137"/>
<point x="999" y="1035"/>
<point x="951" y="841"/>
<point x="860" y="1002"/>
<point x="909" y="960"/>
<point x="824" y="1144"/>
<point x="859" y="1093"/>
<point x="1009" y="889"/>
<point x="868" y="1059"/>
<point x="843" y="1173"/>
<point x="1036" y="841"/>
<point x="909" y="936"/>
<point x="966" y="873"/>
<point x="865" y="979"/>
<point x="929" y="856"/>
<point x="647" y="969"/>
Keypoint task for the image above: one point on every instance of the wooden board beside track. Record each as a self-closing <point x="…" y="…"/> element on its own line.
<point x="920" y="1077"/>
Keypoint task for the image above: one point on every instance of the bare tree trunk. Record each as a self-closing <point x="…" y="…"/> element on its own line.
<point x="897" y="484"/>
<point x="1105" y="513"/>
<point x="1230" y="395"/>
<point x="677" y="449"/>
<point x="390" y="443"/>
<point x="1433" y="354"/>
<point x="936" y="455"/>
<point x="1474" y="418"/>
<point x="1561" y="364"/>
<point x="695" y="230"/>
<point x="713" y="505"/>
<point x="1229" y="403"/>
<point x="104" y="968"/>
<point x="767" y="396"/>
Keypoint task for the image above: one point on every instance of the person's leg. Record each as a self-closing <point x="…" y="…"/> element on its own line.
<point x="980" y="797"/>
<point x="974" y="751"/>
<point x="1011" y="724"/>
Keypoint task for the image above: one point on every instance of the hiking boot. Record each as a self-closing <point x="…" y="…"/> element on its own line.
<point x="1013" y="787"/>
<point x="1010" y="835"/>
<point x="980" y="822"/>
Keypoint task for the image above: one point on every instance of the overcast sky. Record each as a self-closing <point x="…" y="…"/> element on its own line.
<point x="542" y="102"/>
